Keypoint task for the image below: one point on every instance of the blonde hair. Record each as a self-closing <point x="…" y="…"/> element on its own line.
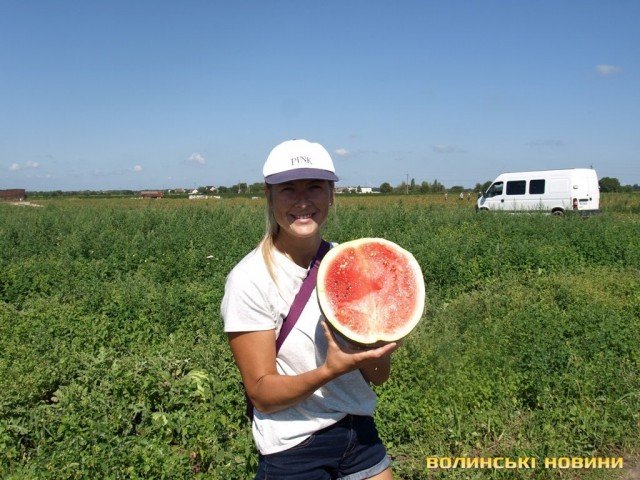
<point x="267" y="244"/>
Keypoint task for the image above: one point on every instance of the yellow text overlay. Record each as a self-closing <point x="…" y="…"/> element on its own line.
<point x="524" y="462"/>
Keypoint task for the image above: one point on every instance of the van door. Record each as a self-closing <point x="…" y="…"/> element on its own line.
<point x="586" y="192"/>
<point x="493" y="199"/>
<point x="536" y="193"/>
<point x="515" y="199"/>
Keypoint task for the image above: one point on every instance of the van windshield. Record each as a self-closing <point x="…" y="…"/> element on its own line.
<point x="494" y="190"/>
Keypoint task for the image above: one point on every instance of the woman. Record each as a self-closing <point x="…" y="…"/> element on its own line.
<point x="313" y="403"/>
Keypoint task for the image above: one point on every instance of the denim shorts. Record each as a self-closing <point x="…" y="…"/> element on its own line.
<point x="348" y="450"/>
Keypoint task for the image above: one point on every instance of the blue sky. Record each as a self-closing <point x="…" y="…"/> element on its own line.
<point x="141" y="94"/>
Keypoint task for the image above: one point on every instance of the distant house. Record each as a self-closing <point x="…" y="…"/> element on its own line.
<point x="13" y="195"/>
<point x="354" y="190"/>
<point x="152" y="194"/>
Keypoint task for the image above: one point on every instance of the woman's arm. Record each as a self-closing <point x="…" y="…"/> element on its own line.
<point x="255" y="355"/>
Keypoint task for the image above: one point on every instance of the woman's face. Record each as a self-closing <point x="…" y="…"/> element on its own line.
<point x="300" y="207"/>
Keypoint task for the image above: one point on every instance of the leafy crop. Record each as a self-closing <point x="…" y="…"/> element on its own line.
<point x="113" y="363"/>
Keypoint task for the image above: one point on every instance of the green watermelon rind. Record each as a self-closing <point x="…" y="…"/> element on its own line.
<point x="380" y="337"/>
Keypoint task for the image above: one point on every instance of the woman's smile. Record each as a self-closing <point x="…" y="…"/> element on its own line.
<point x="304" y="216"/>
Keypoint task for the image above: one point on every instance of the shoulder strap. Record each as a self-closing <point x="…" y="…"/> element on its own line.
<point x="297" y="306"/>
<point x="302" y="297"/>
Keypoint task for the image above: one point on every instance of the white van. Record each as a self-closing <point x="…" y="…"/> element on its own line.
<point x="555" y="191"/>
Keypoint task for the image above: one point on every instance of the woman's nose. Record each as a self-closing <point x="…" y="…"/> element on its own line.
<point x="301" y="197"/>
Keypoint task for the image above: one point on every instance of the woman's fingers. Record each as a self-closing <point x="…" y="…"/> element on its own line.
<point x="386" y="349"/>
<point x="328" y="333"/>
<point x="358" y="353"/>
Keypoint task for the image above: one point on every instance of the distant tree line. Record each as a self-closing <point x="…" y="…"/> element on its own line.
<point x="82" y="193"/>
<point x="612" y="184"/>
<point x="607" y="184"/>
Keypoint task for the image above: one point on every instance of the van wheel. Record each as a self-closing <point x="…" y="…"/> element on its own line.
<point x="558" y="212"/>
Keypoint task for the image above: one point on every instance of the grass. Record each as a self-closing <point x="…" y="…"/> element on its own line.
<point x="113" y="363"/>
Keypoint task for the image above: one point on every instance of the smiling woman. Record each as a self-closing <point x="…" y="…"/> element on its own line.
<point x="312" y="398"/>
<point x="300" y="208"/>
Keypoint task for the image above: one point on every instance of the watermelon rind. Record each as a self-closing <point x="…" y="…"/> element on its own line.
<point x="374" y="337"/>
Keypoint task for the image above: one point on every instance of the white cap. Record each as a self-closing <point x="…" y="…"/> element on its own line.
<point x="298" y="160"/>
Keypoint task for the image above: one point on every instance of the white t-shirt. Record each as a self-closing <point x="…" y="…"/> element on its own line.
<point x="251" y="302"/>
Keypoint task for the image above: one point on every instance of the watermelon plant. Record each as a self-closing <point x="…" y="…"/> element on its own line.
<point x="113" y="363"/>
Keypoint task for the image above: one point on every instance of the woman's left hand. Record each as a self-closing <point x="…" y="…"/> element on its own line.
<point x="374" y="363"/>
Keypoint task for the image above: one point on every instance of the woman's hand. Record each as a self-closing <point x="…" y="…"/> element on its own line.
<point x="255" y="355"/>
<point x="374" y="363"/>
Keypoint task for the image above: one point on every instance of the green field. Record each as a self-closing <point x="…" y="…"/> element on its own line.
<point x="113" y="363"/>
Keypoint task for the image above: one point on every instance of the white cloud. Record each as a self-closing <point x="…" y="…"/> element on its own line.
<point x="196" y="158"/>
<point x="444" y="148"/>
<point x="137" y="168"/>
<point x="606" y="70"/>
<point x="341" y="152"/>
<point x="547" y="142"/>
<point x="29" y="164"/>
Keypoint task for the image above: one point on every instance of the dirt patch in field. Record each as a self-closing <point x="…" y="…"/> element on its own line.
<point x="25" y="204"/>
<point x="632" y="469"/>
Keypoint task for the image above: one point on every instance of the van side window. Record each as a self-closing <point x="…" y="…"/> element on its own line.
<point x="494" y="190"/>
<point x="516" y="187"/>
<point x="536" y="187"/>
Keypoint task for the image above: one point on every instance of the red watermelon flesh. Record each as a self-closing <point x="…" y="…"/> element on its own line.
<point x="371" y="290"/>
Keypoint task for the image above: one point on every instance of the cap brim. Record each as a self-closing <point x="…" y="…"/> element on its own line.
<point x="300" y="174"/>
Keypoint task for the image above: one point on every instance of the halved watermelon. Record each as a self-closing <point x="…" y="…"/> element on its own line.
<point x="371" y="290"/>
